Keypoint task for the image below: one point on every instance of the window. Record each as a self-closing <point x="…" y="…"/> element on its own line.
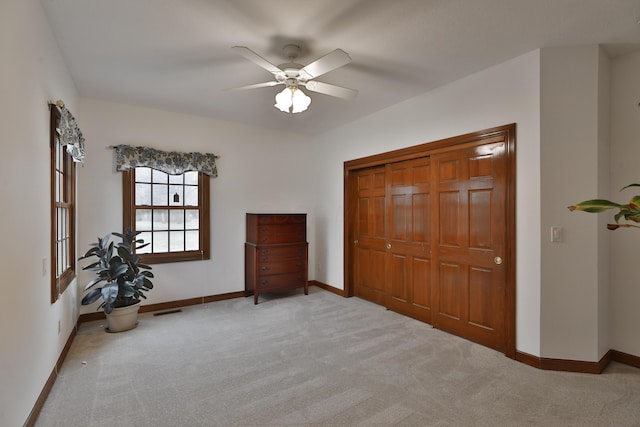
<point x="63" y="200"/>
<point x="171" y="211"/>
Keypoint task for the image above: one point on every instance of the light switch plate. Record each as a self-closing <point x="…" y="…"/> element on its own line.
<point x="556" y="234"/>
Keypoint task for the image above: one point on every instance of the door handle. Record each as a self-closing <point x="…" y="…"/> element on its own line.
<point x="497" y="260"/>
<point x="355" y="242"/>
<point x="388" y="245"/>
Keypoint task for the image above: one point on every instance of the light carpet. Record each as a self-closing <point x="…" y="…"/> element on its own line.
<point x="316" y="360"/>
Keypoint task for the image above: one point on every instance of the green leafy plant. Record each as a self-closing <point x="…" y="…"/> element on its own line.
<point x="125" y="277"/>
<point x="629" y="211"/>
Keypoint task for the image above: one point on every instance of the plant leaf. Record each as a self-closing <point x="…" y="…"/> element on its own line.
<point x="129" y="291"/>
<point x="91" y="252"/>
<point x="618" y="216"/>
<point x="108" y="308"/>
<point x="110" y="293"/>
<point x="635" y="217"/>
<point x="143" y="245"/>
<point x="93" y="266"/>
<point x="93" y="282"/>
<point x="103" y="242"/>
<point x="92" y="296"/>
<point x="634" y="203"/>
<point x="630" y="185"/>
<point x="594" y="206"/>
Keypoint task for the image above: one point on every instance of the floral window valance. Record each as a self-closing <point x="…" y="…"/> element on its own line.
<point x="70" y="134"/>
<point x="171" y="162"/>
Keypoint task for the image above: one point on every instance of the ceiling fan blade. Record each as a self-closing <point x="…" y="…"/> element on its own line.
<point x="258" y="85"/>
<point x="257" y="59"/>
<point x="333" y="90"/>
<point x="327" y="63"/>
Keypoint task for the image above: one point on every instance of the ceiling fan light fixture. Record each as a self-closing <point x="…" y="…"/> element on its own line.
<point x="292" y="100"/>
<point x="300" y="101"/>
<point x="284" y="100"/>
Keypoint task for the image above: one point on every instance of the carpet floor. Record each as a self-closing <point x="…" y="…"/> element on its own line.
<point x="316" y="360"/>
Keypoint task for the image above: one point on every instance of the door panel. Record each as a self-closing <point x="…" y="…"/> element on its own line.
<point x="369" y="241"/>
<point x="450" y="290"/>
<point x="400" y="288"/>
<point x="449" y="209"/>
<point x="409" y="268"/>
<point x="480" y="212"/>
<point x="421" y="282"/>
<point x="470" y="222"/>
<point x="480" y="294"/>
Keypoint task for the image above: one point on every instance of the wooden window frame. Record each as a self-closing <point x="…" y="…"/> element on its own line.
<point x="129" y="220"/>
<point x="68" y="195"/>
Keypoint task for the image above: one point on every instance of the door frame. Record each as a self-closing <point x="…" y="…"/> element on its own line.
<point x="508" y="134"/>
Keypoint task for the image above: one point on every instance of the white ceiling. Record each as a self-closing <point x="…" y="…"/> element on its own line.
<point x="176" y="54"/>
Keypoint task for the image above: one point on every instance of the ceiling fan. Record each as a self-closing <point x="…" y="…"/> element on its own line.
<point x="293" y="76"/>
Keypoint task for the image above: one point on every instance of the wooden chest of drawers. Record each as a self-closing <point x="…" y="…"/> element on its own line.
<point x="275" y="253"/>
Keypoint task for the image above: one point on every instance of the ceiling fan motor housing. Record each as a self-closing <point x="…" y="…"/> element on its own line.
<point x="292" y="51"/>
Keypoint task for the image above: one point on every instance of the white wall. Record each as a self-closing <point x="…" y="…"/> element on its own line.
<point x="259" y="171"/>
<point x="506" y="93"/>
<point x="604" y="235"/>
<point x="625" y="152"/>
<point x="33" y="73"/>
<point x="570" y="305"/>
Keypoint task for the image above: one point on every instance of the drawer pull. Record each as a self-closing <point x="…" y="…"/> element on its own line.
<point x="265" y="282"/>
<point x="266" y="239"/>
<point x="265" y="229"/>
<point x="265" y="268"/>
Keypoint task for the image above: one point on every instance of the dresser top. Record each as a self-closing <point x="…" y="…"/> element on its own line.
<point x="276" y="213"/>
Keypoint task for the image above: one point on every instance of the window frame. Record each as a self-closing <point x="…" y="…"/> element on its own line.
<point x="129" y="220"/>
<point x="68" y="201"/>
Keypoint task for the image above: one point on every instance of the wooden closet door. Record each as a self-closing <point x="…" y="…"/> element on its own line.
<point x="408" y="266"/>
<point x="469" y="224"/>
<point x="369" y="244"/>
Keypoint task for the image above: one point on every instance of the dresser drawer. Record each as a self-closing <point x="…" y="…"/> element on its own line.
<point x="281" y="233"/>
<point x="281" y="253"/>
<point x="278" y="267"/>
<point x="282" y="219"/>
<point x="281" y="282"/>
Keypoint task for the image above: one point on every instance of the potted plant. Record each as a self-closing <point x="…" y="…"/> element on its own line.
<point x="124" y="279"/>
<point x="629" y="211"/>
